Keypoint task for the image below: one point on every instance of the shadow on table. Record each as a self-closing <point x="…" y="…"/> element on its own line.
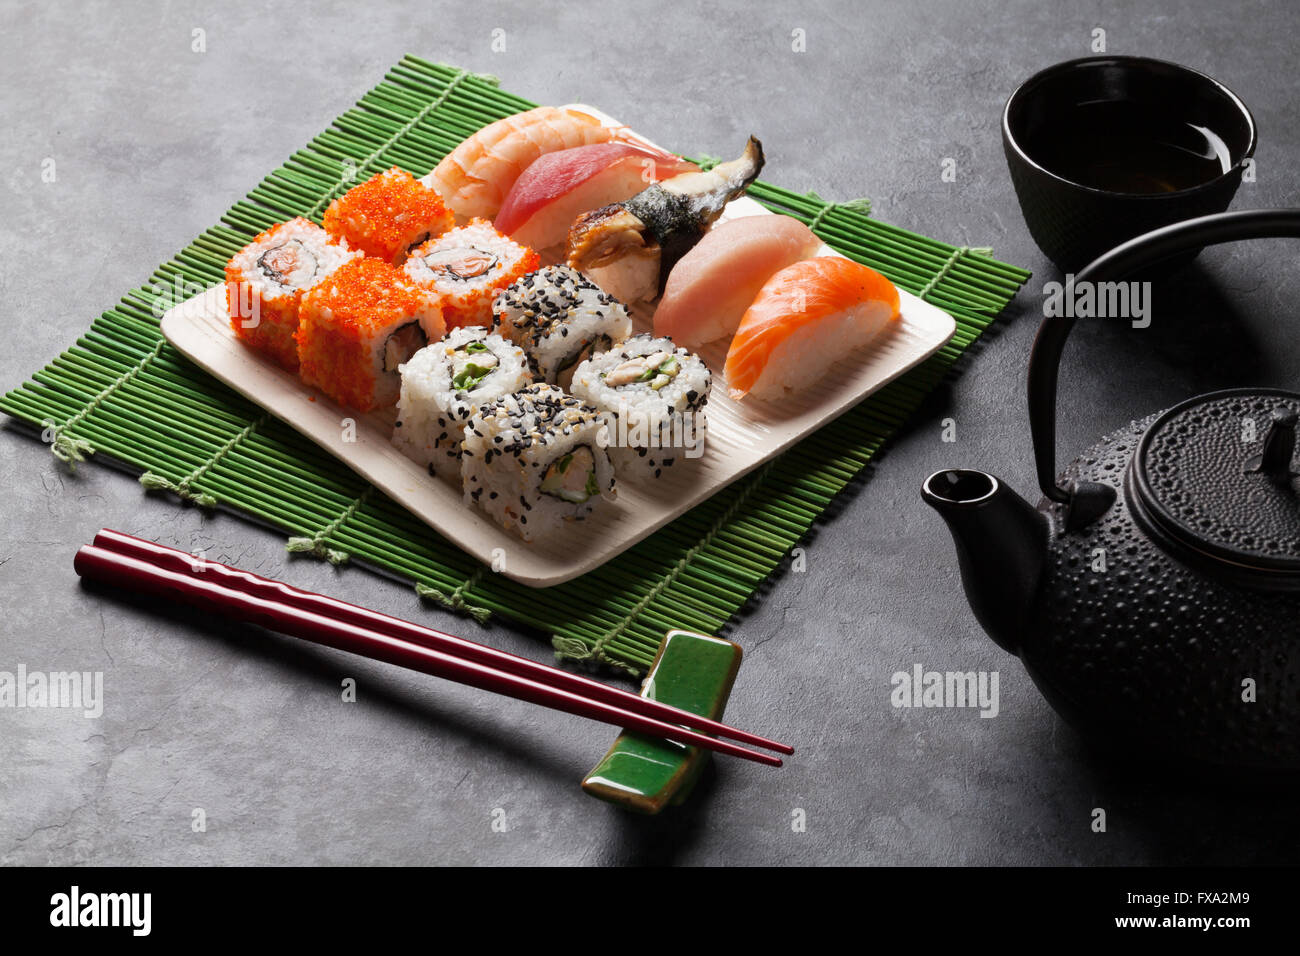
<point x="1173" y="816"/>
<point x="663" y="839"/>
<point x="1202" y="336"/>
<point x="301" y="657"/>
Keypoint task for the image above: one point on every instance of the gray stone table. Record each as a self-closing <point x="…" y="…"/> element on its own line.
<point x="151" y="141"/>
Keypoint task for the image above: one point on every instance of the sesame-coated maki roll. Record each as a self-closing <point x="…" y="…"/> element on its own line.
<point x="356" y="329"/>
<point x="653" y="394"/>
<point x="444" y="384"/>
<point x="388" y="215"/>
<point x="467" y="267"/>
<point x="559" y="317"/>
<point x="265" y="282"/>
<point x="535" y="460"/>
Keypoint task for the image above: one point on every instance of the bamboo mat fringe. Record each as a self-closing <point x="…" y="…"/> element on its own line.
<point x="456" y="599"/>
<point x="316" y="545"/>
<point x="122" y="391"/>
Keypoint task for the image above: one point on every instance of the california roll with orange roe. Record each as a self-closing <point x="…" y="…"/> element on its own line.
<point x="467" y="267"/>
<point x="266" y="280"/>
<point x="357" y="328"/>
<point x="388" y="215"/>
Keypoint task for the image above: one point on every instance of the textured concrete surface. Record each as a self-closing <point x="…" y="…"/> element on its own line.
<point x="151" y="140"/>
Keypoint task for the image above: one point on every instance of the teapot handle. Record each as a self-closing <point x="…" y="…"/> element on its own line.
<point x="1088" y="500"/>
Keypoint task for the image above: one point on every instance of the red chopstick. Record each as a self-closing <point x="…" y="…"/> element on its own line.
<point x="210" y="594"/>
<point x="249" y="583"/>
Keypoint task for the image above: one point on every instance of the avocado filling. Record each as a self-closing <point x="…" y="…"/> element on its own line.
<point x="655" y="370"/>
<point x="572" y="477"/>
<point x="402" y="344"/>
<point x="470" y="365"/>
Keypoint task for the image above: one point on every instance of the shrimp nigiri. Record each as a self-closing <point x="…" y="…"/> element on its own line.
<point x="475" y="177"/>
<point x="709" y="290"/>
<point x="805" y="318"/>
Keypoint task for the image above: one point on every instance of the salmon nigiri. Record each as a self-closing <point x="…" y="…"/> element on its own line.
<point x="709" y="290"/>
<point x="804" y="319"/>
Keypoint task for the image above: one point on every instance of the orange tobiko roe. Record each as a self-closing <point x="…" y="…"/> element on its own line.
<point x="473" y="305"/>
<point x="388" y="214"/>
<point x="341" y="323"/>
<point x="262" y="324"/>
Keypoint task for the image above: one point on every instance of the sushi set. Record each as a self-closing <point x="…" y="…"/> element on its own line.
<point x="556" y="342"/>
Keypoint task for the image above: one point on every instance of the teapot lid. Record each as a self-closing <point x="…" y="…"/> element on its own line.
<point x="1219" y="474"/>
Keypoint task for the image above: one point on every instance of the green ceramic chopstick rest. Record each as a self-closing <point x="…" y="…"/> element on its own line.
<point x="694" y="672"/>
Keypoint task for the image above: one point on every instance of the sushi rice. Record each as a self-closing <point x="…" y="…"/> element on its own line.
<point x="653" y="396"/>
<point x="358" y="327"/>
<point x="467" y="267"/>
<point x="265" y="282"/>
<point x="559" y="318"/>
<point x="535" y="460"/>
<point x="443" y="385"/>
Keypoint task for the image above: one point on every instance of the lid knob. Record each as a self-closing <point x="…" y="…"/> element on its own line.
<point x="1279" y="448"/>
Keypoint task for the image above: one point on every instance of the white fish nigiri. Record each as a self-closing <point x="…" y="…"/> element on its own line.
<point x="559" y="187"/>
<point x="709" y="290"/>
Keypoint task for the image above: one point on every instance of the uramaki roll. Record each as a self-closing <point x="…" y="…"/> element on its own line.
<point x="266" y="280"/>
<point x="388" y="215"/>
<point x="356" y="329"/>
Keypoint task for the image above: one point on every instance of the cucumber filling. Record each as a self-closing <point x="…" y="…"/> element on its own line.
<point x="470" y="365"/>
<point x="572" y="477"/>
<point x="655" y="370"/>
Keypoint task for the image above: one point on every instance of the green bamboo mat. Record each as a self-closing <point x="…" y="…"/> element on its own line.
<point x="123" y="392"/>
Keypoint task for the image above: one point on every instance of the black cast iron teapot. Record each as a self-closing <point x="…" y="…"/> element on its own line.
<point x="1154" y="593"/>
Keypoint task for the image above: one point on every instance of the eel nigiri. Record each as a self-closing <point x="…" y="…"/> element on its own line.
<point x="709" y="290"/>
<point x="628" y="248"/>
<point x="805" y="318"/>
<point x="559" y="187"/>
<point x="475" y="177"/>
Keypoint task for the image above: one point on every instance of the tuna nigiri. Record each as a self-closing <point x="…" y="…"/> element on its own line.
<point x="805" y="318"/>
<point x="709" y="290"/>
<point x="475" y="177"/>
<point x="559" y="187"/>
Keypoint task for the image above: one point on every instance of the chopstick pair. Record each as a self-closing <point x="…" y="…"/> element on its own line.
<point x="137" y="565"/>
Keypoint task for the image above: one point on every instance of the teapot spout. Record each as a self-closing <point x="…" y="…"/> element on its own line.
<point x="1002" y="544"/>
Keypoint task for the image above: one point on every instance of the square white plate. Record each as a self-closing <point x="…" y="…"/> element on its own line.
<point x="741" y="435"/>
